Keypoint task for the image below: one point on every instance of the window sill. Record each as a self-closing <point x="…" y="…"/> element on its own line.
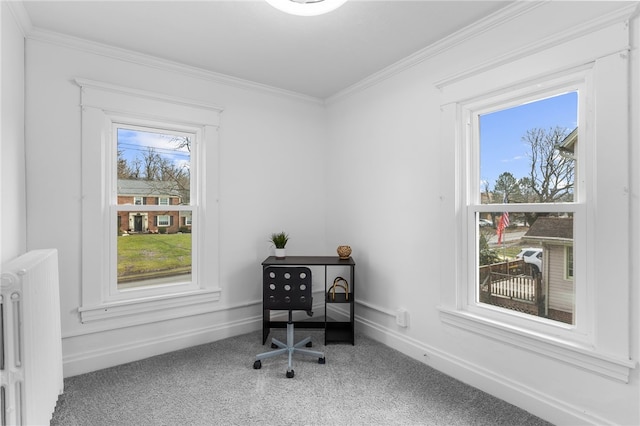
<point x="155" y="308"/>
<point x="579" y="356"/>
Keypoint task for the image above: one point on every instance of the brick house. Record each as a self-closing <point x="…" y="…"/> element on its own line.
<point x="143" y="192"/>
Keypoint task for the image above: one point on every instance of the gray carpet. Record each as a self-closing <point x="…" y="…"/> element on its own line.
<point x="215" y="384"/>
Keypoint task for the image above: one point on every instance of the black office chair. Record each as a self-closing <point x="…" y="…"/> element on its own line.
<point x="288" y="288"/>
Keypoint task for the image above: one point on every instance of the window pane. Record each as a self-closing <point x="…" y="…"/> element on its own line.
<point x="527" y="152"/>
<point x="522" y="260"/>
<point x="150" y="258"/>
<point x="153" y="168"/>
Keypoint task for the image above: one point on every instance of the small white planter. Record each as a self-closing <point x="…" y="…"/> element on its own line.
<point x="280" y="253"/>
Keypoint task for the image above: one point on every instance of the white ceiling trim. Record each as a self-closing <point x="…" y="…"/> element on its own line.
<point x="46" y="36"/>
<point x="37" y="34"/>
<point x="21" y="16"/>
<point x="509" y="12"/>
<point x="620" y="15"/>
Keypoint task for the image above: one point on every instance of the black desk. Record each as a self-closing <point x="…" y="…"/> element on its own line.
<point x="334" y="331"/>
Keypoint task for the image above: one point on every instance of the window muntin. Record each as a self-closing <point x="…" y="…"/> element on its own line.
<point x="153" y="165"/>
<point x="526" y="162"/>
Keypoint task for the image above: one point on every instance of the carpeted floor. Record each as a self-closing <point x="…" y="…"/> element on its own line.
<point x="215" y="384"/>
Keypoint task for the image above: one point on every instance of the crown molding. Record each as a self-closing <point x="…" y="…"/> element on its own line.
<point x="507" y="13"/>
<point x="126" y="55"/>
<point x="617" y="16"/>
<point x="21" y="16"/>
<point x="497" y="19"/>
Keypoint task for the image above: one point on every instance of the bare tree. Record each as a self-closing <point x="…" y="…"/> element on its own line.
<point x="124" y="172"/>
<point x="551" y="175"/>
<point x="182" y="142"/>
<point x="126" y="169"/>
<point x="152" y="164"/>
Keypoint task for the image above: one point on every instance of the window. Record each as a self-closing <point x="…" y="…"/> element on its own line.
<point x="143" y="156"/>
<point x="152" y="161"/>
<point x="527" y="159"/>
<point x="495" y="210"/>
<point x="163" y="220"/>
<point x="568" y="261"/>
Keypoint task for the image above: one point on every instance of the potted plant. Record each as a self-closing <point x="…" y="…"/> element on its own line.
<point x="279" y="240"/>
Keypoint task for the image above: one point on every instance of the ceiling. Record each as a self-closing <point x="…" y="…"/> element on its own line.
<point x="248" y="39"/>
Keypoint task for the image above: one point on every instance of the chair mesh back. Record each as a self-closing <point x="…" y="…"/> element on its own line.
<point x="287" y="288"/>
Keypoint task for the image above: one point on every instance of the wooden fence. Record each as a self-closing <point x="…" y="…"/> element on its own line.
<point x="508" y="284"/>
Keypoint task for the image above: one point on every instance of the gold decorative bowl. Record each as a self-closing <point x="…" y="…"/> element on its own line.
<point x="344" y="252"/>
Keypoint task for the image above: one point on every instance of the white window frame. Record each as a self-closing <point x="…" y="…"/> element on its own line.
<point x="147" y="125"/>
<point x="138" y="201"/>
<point x="595" y="63"/>
<point x="105" y="106"/>
<point x="573" y="81"/>
<point x="163" y="201"/>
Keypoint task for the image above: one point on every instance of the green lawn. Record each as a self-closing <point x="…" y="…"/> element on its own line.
<point x="509" y="252"/>
<point x="153" y="254"/>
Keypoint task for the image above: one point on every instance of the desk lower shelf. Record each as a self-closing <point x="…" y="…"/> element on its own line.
<point x="334" y="331"/>
<point x="338" y="332"/>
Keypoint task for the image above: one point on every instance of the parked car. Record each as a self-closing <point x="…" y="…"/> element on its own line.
<point x="532" y="256"/>
<point x="485" y="222"/>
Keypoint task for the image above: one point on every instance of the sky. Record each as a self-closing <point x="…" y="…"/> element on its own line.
<point x="501" y="146"/>
<point x="134" y="143"/>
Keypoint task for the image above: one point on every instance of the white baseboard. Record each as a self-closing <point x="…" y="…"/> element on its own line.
<point x="112" y="355"/>
<point x="502" y="387"/>
<point x="92" y="360"/>
<point x="475" y="375"/>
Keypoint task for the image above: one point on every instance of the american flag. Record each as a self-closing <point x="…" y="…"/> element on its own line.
<point x="504" y="221"/>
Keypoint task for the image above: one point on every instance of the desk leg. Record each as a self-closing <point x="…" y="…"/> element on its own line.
<point x="266" y="326"/>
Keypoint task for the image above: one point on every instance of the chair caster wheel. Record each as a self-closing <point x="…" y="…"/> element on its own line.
<point x="290" y="374"/>
<point x="321" y="360"/>
<point x="257" y="365"/>
<point x="309" y="344"/>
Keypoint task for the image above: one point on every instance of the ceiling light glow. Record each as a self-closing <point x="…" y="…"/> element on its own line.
<point x="306" y="7"/>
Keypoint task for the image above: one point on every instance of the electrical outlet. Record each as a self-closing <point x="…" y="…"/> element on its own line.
<point x="401" y="317"/>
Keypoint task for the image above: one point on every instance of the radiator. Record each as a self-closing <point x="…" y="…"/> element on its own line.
<point x="31" y="352"/>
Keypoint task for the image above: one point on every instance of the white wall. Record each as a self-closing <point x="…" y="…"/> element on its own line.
<point x="368" y="178"/>
<point x="271" y="179"/>
<point x="386" y="136"/>
<point x="12" y="161"/>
